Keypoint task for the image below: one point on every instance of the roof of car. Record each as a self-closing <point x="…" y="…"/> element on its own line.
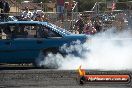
<point x="23" y="22"/>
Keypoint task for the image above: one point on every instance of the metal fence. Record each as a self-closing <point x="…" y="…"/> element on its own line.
<point x="68" y="19"/>
<point x="68" y="22"/>
<point x="108" y="19"/>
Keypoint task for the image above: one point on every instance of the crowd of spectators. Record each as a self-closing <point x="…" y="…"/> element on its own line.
<point x="99" y="23"/>
<point x="36" y="15"/>
<point x="89" y="26"/>
<point x="64" y="7"/>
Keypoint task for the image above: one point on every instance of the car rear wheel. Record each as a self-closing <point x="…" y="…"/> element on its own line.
<point x="44" y="61"/>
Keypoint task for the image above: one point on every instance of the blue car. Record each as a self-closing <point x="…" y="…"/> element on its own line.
<point x="22" y="41"/>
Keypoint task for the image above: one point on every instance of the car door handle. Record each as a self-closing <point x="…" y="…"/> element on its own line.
<point x="39" y="41"/>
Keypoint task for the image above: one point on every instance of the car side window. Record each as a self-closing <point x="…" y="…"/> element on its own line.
<point x="19" y="32"/>
<point x="25" y="31"/>
<point x="10" y="31"/>
<point x="48" y="32"/>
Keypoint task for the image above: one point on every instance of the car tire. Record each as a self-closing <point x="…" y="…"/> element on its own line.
<point x="42" y="55"/>
<point x="37" y="61"/>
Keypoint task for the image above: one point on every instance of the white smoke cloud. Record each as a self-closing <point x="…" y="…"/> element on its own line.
<point x="105" y="51"/>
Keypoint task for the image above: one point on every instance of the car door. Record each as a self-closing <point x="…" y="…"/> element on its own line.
<point x="49" y="38"/>
<point x="7" y="46"/>
<point x="26" y="44"/>
<point x="20" y="47"/>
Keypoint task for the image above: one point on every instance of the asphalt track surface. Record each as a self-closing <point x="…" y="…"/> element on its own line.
<point x="51" y="78"/>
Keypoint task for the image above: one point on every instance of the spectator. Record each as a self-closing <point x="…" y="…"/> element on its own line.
<point x="38" y="18"/>
<point x="89" y="28"/>
<point x="98" y="24"/>
<point x="69" y="8"/>
<point x="26" y="15"/>
<point x="60" y="8"/>
<point x="34" y="13"/>
<point x="5" y="8"/>
<point x="1" y="7"/>
<point x="119" y="22"/>
<point x="80" y="24"/>
<point x="44" y="17"/>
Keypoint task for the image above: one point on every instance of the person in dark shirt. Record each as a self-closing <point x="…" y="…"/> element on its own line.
<point x="80" y="25"/>
<point x="5" y="9"/>
<point x="98" y="24"/>
<point x="6" y="6"/>
<point x="60" y="8"/>
<point x="1" y="8"/>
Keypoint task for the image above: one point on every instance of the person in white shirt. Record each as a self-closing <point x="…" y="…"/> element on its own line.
<point x="26" y="15"/>
<point x="88" y="27"/>
<point x="34" y="13"/>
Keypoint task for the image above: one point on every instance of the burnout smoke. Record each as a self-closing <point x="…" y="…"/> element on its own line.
<point x="105" y="51"/>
